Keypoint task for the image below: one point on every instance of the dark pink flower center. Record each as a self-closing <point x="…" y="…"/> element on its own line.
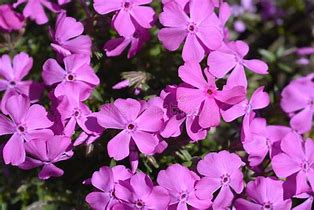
<point x="183" y="196"/>
<point x="21" y="128"/>
<point x="267" y="206"/>
<point x="12" y="83"/>
<point x="192" y="28"/>
<point x="139" y="204"/>
<point x="70" y="77"/>
<point x="225" y="179"/>
<point x="126" y="5"/>
<point x="77" y="113"/>
<point x="305" y="166"/>
<point x="131" y="126"/>
<point x="238" y="59"/>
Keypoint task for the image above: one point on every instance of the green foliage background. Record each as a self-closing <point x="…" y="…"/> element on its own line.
<point x="268" y="40"/>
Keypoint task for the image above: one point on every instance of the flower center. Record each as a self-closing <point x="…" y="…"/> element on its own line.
<point x="21" y="128"/>
<point x="126" y="5"/>
<point x="183" y="196"/>
<point x="305" y="166"/>
<point x="76" y="113"/>
<point x="70" y="77"/>
<point x="139" y="204"/>
<point x="131" y="126"/>
<point x="12" y="83"/>
<point x="192" y="28"/>
<point x="267" y="206"/>
<point x="248" y="108"/>
<point x="225" y="179"/>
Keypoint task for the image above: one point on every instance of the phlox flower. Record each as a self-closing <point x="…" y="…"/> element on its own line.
<point x="105" y="182"/>
<point x="264" y="193"/>
<point x="139" y="193"/>
<point x="298" y="101"/>
<point x="263" y="139"/>
<point x="230" y="56"/>
<point x="73" y="111"/>
<point x="35" y="9"/>
<point x="295" y="162"/>
<point x="128" y="14"/>
<point x="46" y="152"/>
<point x="174" y="118"/>
<point x="9" y="19"/>
<point x="115" y="47"/>
<point x="222" y="171"/>
<point x="25" y="123"/>
<point x="67" y="37"/>
<point x="201" y="30"/>
<point x="258" y="100"/>
<point x="181" y="184"/>
<point x="138" y="122"/>
<point x="76" y="72"/>
<point x="12" y="74"/>
<point x="204" y="95"/>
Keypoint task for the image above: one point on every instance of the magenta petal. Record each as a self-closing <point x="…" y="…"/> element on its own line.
<point x="188" y="96"/>
<point x="17" y="114"/>
<point x="6" y="126"/>
<point x="284" y="166"/>
<point x="145" y="142"/>
<point x="30" y="163"/>
<point x="200" y="10"/>
<point x="232" y="95"/>
<point x="246" y="205"/>
<point x="211" y="37"/>
<point x="302" y="121"/>
<point x="37" y="118"/>
<point x="103" y="179"/>
<point x="223" y="199"/>
<point x="141" y="184"/>
<point x="192" y="50"/>
<point x="115" y="47"/>
<point x="52" y="72"/>
<point x="305" y="205"/>
<point x="171" y="38"/>
<point x="198" y="203"/>
<point x="234" y="112"/>
<point x="123" y="23"/>
<point x="110" y="117"/>
<point x="98" y="200"/>
<point x="150" y="120"/>
<point x="259" y="99"/>
<point x="57" y="146"/>
<point x="14" y="151"/>
<point x="209" y="115"/>
<point x="220" y="63"/>
<point x="158" y="199"/>
<point x="67" y="28"/>
<point x="256" y="66"/>
<point x="22" y="64"/>
<point x="84" y="42"/>
<point x="173" y="16"/>
<point x="50" y="170"/>
<point x="143" y="15"/>
<point x="118" y="146"/>
<point x="192" y="74"/>
<point x="129" y="108"/>
<point x="237" y="77"/>
<point x="105" y="7"/>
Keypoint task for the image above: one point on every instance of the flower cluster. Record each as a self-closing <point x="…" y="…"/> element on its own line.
<point x="210" y="92"/>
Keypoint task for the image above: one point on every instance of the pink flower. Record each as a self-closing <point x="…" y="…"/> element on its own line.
<point x="222" y="171"/>
<point x="128" y="14"/>
<point x="9" y="19"/>
<point x="201" y="30"/>
<point x="264" y="193"/>
<point x="263" y="139"/>
<point x="47" y="152"/>
<point x="140" y="193"/>
<point x="12" y="73"/>
<point x="259" y="100"/>
<point x="204" y="96"/>
<point x="174" y="118"/>
<point x="68" y="39"/>
<point x="296" y="161"/>
<point x="231" y="56"/>
<point x="105" y="181"/>
<point x="116" y="46"/>
<point x="181" y="184"/>
<point x="77" y="73"/>
<point x="25" y="123"/>
<point x="35" y="9"/>
<point x="298" y="101"/>
<point x="138" y="123"/>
